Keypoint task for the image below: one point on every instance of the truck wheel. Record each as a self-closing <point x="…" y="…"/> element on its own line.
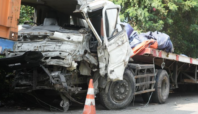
<point x="120" y="93"/>
<point x="162" y="87"/>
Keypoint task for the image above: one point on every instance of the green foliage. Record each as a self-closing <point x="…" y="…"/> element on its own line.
<point x="178" y="18"/>
<point x="26" y="14"/>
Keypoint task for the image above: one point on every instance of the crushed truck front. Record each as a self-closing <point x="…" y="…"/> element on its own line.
<point x="71" y="42"/>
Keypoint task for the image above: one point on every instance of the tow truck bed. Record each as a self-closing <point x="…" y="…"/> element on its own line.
<point x="182" y="69"/>
<point x="169" y="56"/>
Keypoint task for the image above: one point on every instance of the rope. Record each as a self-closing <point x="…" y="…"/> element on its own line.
<point x="155" y="83"/>
<point x="38" y="100"/>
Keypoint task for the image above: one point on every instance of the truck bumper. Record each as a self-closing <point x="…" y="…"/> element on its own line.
<point x="29" y="59"/>
<point x="6" y="45"/>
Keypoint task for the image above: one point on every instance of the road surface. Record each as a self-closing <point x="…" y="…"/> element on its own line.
<point x="178" y="103"/>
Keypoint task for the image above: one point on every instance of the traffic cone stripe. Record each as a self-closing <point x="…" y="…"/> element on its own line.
<point x="89" y="110"/>
<point x="90" y="102"/>
<point x="91" y="83"/>
<point x="90" y="96"/>
<point x="90" y="91"/>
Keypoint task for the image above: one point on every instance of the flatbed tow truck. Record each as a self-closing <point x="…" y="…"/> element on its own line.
<point x="57" y="55"/>
<point x="182" y="69"/>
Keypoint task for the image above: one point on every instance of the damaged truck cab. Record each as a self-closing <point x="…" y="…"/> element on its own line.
<point x="72" y="42"/>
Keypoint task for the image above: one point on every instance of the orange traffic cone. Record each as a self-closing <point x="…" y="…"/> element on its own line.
<point x="90" y="100"/>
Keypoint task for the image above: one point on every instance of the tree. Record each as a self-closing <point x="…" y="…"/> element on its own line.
<point x="26" y="14"/>
<point x="177" y="18"/>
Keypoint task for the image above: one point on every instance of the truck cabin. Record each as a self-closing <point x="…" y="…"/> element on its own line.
<point x="53" y="12"/>
<point x="61" y="13"/>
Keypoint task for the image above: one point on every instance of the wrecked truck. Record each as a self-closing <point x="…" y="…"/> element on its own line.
<point x="72" y="42"/>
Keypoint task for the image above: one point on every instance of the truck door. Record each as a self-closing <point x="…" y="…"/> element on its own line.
<point x="115" y="44"/>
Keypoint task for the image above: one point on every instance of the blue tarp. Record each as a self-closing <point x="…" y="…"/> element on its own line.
<point x="6" y="45"/>
<point x="163" y="40"/>
<point x="128" y="28"/>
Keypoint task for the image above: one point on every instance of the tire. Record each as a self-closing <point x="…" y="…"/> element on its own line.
<point x="120" y="93"/>
<point x="162" y="87"/>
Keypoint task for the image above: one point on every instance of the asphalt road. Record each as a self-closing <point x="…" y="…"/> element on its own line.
<point x="178" y="103"/>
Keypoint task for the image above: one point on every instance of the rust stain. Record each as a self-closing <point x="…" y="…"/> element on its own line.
<point x="9" y="15"/>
